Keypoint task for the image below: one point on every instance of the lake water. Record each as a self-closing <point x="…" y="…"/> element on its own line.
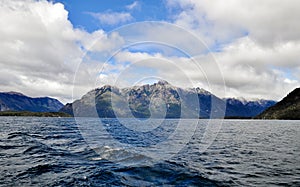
<point x="86" y="152"/>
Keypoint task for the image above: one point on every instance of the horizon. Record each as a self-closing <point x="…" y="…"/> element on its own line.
<point x="63" y="49"/>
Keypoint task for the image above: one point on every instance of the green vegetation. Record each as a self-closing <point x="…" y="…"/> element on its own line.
<point x="34" y="114"/>
<point x="289" y="113"/>
<point x="288" y="108"/>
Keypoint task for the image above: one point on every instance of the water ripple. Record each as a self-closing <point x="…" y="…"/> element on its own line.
<point x="51" y="152"/>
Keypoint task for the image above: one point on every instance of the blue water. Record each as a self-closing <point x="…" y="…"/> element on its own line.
<point x="65" y="152"/>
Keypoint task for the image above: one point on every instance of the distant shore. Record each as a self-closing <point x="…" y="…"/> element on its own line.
<point x="34" y="114"/>
<point x="62" y="114"/>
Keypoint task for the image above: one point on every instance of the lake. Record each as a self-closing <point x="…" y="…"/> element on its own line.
<point x="155" y="152"/>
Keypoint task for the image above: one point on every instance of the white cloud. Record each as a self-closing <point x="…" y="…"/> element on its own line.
<point x="112" y="18"/>
<point x="180" y="71"/>
<point x="101" y="41"/>
<point x="252" y="69"/>
<point x="134" y="5"/>
<point x="268" y="22"/>
<point x="40" y="49"/>
<point x="126" y="56"/>
<point x="165" y="35"/>
<point x="259" y="55"/>
<point x="248" y="70"/>
<point x="38" y="44"/>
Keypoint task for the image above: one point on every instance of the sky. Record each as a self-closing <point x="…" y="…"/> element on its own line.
<point x="233" y="48"/>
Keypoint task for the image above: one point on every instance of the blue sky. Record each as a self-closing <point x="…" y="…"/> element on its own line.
<point x="153" y="10"/>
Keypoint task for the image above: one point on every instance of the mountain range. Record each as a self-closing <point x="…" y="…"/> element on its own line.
<point x="161" y="100"/>
<point x="14" y="101"/>
<point x="158" y="100"/>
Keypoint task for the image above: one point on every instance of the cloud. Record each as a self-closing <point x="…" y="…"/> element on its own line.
<point x="40" y="49"/>
<point x="38" y="45"/>
<point x="252" y="69"/>
<point x="268" y="22"/>
<point x="134" y="5"/>
<point x="248" y="70"/>
<point x="163" y="34"/>
<point x="101" y="41"/>
<point x="112" y="18"/>
<point x="257" y="44"/>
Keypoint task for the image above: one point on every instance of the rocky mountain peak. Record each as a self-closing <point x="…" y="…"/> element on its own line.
<point x="202" y="91"/>
<point x="163" y="82"/>
<point x="141" y="99"/>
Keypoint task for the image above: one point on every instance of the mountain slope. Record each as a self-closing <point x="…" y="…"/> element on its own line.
<point x="159" y="100"/>
<point x="243" y="108"/>
<point x="13" y="101"/>
<point x="287" y="108"/>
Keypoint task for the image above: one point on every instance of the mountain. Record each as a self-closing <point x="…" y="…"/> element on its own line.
<point x="244" y="108"/>
<point x="14" y="101"/>
<point x="159" y="100"/>
<point x="287" y="108"/>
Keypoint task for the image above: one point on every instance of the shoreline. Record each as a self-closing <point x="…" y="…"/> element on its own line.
<point x="33" y="114"/>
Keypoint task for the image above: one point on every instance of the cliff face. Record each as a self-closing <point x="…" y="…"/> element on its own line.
<point x="159" y="100"/>
<point x="13" y="101"/>
<point x="287" y="108"/>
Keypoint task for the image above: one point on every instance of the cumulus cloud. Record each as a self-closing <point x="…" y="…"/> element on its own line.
<point x="37" y="42"/>
<point x="253" y="70"/>
<point x="255" y="48"/>
<point x="112" y="18"/>
<point x="248" y="71"/>
<point x="258" y="43"/>
<point x="268" y="22"/>
<point x="40" y="49"/>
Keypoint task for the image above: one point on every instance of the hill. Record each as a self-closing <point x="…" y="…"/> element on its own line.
<point x="287" y="108"/>
<point x="14" y="101"/>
